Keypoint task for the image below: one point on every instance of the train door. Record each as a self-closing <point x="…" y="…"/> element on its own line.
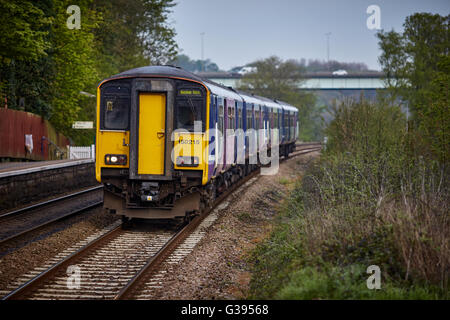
<point x="262" y="128"/>
<point x="289" y="125"/>
<point x="239" y="140"/>
<point x="270" y="125"/>
<point x="220" y="127"/>
<point x="229" y="134"/>
<point x="247" y="126"/>
<point x="152" y="132"/>
<point x="212" y="149"/>
<point x="257" y="128"/>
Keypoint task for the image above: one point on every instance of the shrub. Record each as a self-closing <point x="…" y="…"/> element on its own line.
<point x="368" y="201"/>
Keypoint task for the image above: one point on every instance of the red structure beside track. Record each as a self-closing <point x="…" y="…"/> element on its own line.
<point x="15" y="125"/>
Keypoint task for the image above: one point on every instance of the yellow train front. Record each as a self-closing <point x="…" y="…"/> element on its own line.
<point x="137" y="112"/>
<point x="155" y="153"/>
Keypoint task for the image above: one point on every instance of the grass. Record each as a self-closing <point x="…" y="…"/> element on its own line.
<point x="285" y="181"/>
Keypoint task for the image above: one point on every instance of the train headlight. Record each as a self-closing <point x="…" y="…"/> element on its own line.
<point x="116" y="159"/>
<point x="187" y="161"/>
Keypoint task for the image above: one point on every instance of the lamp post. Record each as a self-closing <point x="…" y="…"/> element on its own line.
<point x="203" y="63"/>
<point x="328" y="46"/>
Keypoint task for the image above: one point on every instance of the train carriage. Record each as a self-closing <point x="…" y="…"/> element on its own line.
<point x="168" y="141"/>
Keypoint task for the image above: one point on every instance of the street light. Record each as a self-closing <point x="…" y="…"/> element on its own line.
<point x="203" y="63"/>
<point x="328" y="46"/>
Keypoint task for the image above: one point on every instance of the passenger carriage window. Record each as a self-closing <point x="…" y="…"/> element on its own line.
<point x="257" y="120"/>
<point x="231" y="118"/>
<point x="234" y="118"/>
<point x="240" y="119"/>
<point x="286" y="124"/>
<point x="271" y="118"/>
<point x="279" y="120"/>
<point x="261" y="117"/>
<point x="221" y="119"/>
<point x="249" y="119"/>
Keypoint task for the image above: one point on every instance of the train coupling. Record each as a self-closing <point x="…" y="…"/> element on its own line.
<point x="149" y="192"/>
<point x="153" y="196"/>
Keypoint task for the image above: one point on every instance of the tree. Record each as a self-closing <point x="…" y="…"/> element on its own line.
<point x="44" y="65"/>
<point x="434" y="114"/>
<point x="416" y="66"/>
<point x="278" y="79"/>
<point x="23" y="31"/>
<point x="133" y="33"/>
<point x="315" y="65"/>
<point x="186" y="63"/>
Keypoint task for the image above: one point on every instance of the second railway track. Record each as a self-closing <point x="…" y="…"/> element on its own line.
<point x="19" y="222"/>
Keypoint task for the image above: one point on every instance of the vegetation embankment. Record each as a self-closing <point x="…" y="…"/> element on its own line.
<point x="368" y="201"/>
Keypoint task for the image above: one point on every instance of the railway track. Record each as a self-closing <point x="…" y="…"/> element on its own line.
<point x="111" y="265"/>
<point x="22" y="221"/>
<point x="305" y="148"/>
<point x="124" y="264"/>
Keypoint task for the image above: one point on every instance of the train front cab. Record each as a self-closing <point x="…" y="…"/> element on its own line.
<point x="136" y="135"/>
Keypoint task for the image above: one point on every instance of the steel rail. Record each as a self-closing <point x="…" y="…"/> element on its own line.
<point x="46" y="202"/>
<point x="41" y="278"/>
<point x="48" y="222"/>
<point x="176" y="240"/>
<point x="127" y="291"/>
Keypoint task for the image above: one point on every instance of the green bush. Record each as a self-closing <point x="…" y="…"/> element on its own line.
<point x="368" y="201"/>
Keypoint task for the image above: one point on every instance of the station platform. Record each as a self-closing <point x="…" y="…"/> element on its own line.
<point x="8" y="169"/>
<point x="28" y="182"/>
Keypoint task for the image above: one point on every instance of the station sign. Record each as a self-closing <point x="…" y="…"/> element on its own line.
<point x="83" y="125"/>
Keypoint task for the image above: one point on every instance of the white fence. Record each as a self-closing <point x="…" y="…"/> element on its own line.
<point x="81" y="152"/>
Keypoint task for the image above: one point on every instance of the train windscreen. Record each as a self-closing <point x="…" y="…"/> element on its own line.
<point x="190" y="107"/>
<point x="115" y="105"/>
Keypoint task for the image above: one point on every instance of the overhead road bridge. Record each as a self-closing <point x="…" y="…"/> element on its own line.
<point x="370" y="80"/>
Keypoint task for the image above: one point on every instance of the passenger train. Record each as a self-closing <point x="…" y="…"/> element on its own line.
<point x="169" y="142"/>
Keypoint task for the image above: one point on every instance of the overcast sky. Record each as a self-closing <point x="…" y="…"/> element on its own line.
<point x="241" y="31"/>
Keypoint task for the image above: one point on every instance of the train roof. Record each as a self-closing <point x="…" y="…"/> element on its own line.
<point x="286" y="106"/>
<point x="155" y="71"/>
<point x="269" y="102"/>
<point x="248" y="98"/>
<point x="222" y="91"/>
<point x="215" y="88"/>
